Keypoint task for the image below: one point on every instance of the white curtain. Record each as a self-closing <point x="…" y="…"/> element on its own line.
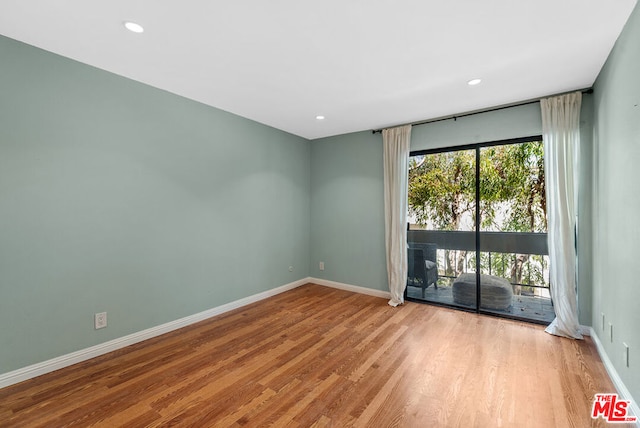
<point x="396" y="177"/>
<point x="561" y="134"/>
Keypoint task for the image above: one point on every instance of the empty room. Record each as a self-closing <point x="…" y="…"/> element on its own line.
<point x="410" y="214"/>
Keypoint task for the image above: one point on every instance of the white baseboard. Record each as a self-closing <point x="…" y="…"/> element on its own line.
<point x="353" y="288"/>
<point x="585" y="330"/>
<point x="57" y="363"/>
<point x="623" y="392"/>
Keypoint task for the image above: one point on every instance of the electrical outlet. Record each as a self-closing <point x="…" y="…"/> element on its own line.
<point x="611" y="332"/>
<point x="602" y="321"/>
<point x="625" y="354"/>
<point x="321" y="265"/>
<point x="100" y="320"/>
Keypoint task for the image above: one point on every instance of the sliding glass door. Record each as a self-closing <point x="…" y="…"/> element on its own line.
<point x="477" y="229"/>
<point x="442" y="230"/>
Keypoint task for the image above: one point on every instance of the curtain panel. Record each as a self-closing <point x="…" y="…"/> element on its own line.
<point x="396" y="142"/>
<point x="561" y="135"/>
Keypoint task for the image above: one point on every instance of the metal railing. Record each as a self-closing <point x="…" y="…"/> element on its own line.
<point x="521" y="258"/>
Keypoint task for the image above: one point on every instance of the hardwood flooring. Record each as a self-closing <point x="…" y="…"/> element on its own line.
<point x="321" y="357"/>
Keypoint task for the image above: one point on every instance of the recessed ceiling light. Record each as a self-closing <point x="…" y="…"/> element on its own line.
<point x="320" y="117"/>
<point x="474" y="82"/>
<point x="133" y="27"/>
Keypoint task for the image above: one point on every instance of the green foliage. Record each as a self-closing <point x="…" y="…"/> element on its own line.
<point x="512" y="194"/>
<point x="441" y="188"/>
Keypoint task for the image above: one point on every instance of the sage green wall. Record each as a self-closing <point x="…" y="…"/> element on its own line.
<point x="347" y="210"/>
<point x="118" y="197"/>
<point x="347" y="193"/>
<point x="585" y="217"/>
<point x="616" y="204"/>
<point x="513" y="122"/>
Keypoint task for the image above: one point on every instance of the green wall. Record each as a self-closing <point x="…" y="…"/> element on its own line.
<point x="513" y="122"/>
<point x="585" y="218"/>
<point x="616" y="203"/>
<point x="347" y="210"/>
<point x="118" y="197"/>
<point x="347" y="193"/>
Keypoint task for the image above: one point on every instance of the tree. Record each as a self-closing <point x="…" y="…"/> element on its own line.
<point x="442" y="188"/>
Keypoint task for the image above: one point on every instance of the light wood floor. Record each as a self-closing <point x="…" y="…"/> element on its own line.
<point x="316" y="356"/>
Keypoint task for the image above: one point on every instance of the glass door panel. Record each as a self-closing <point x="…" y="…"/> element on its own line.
<point x="514" y="265"/>
<point x="441" y="239"/>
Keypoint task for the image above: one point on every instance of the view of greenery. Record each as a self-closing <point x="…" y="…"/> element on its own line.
<point x="512" y="192"/>
<point x="442" y="193"/>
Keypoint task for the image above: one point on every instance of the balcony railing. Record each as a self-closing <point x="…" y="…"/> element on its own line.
<point x="521" y="258"/>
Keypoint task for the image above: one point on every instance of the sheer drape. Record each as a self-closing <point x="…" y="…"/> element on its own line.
<point x="396" y="176"/>
<point x="561" y="134"/>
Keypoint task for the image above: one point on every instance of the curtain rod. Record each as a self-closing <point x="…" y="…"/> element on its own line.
<point x="456" y="116"/>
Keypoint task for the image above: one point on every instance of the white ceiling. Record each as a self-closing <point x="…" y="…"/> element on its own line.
<point x="364" y="64"/>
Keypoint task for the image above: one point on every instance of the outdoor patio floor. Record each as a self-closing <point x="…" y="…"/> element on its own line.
<point x="537" y="309"/>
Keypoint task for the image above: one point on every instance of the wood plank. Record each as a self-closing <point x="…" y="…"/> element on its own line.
<point x="317" y="356"/>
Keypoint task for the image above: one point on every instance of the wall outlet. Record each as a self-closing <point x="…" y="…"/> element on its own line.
<point x="100" y="320"/>
<point x="611" y="332"/>
<point x="321" y="265"/>
<point x="602" y="320"/>
<point x="290" y="268"/>
<point x="625" y="354"/>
